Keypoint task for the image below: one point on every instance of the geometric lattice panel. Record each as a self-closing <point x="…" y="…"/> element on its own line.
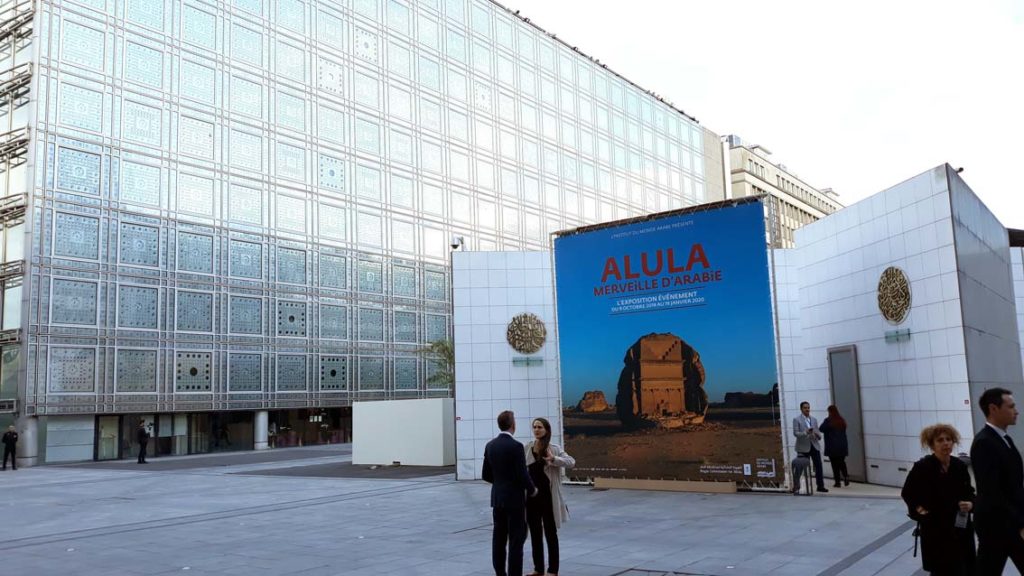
<point x="195" y="253"/>
<point x="140" y="183"/>
<point x="291" y="318"/>
<point x="74" y="302"/>
<point x="332" y="271"/>
<point x="246" y="315"/>
<point x="192" y="371"/>
<point x="244" y="372"/>
<point x="333" y="321"/>
<point x="371" y="276"/>
<point x="72" y="370"/>
<point x="136" y="370"/>
<point x="332" y="174"/>
<point x="291" y="266"/>
<point x="291" y="372"/>
<point x="371" y="324"/>
<point x="405" y="327"/>
<point x="406" y="373"/>
<point x="437" y="328"/>
<point x="78" y="171"/>
<point x="246" y="259"/>
<point x="137" y="307"/>
<point x="371" y="373"/>
<point x="333" y="373"/>
<point x="139" y="244"/>
<point x="195" y="311"/>
<point x="403" y="281"/>
<point x="434" y="286"/>
<point x="76" y="236"/>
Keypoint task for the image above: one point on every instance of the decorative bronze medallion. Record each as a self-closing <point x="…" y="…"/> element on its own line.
<point x="526" y="333"/>
<point x="894" y="295"/>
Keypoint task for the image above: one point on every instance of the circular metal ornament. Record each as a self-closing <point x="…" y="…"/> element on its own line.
<point x="526" y="333"/>
<point x="894" y="295"/>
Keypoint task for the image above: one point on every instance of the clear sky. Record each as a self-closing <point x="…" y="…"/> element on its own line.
<point x="857" y="96"/>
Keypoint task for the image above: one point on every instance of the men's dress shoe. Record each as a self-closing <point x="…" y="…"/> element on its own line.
<point x="838" y="485"/>
<point x="822" y="489"/>
<point x="847" y="481"/>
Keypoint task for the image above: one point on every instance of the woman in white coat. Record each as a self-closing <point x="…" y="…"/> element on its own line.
<point x="546" y="511"/>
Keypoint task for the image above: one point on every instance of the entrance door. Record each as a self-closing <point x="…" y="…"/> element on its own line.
<point x="842" y="372"/>
<point x="108" y="437"/>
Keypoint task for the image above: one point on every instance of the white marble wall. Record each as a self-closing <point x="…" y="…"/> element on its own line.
<point x="490" y="289"/>
<point x="790" y="339"/>
<point x="905" y="385"/>
<point x="1017" y="259"/>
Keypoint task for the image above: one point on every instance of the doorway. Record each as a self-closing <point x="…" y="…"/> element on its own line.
<point x="845" y="382"/>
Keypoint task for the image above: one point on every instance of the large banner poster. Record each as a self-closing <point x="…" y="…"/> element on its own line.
<point x="667" y="348"/>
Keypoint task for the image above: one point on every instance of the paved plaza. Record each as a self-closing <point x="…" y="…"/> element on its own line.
<point x="310" y="511"/>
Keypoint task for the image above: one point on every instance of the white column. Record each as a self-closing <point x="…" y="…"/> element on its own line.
<point x="28" y="441"/>
<point x="260" y="430"/>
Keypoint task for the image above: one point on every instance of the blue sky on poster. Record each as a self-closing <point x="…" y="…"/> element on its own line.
<point x="732" y="330"/>
<point x="857" y="96"/>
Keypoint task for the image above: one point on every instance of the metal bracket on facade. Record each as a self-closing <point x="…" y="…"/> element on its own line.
<point x="13" y="207"/>
<point x="8" y="406"/>
<point x="16" y="21"/>
<point x="10" y="336"/>
<point x="10" y="270"/>
<point x="15" y="82"/>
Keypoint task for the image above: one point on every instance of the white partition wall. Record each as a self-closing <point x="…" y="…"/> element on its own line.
<point x="491" y="288"/>
<point x="410" y="432"/>
<point x="1017" y="259"/>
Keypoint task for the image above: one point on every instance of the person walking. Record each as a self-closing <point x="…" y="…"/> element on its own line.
<point x="940" y="497"/>
<point x="837" y="448"/>
<point x="999" y="472"/>
<point x="546" y="513"/>
<point x="142" y="436"/>
<point x="505" y="469"/>
<point x="10" y="442"/>
<point x="808" y="441"/>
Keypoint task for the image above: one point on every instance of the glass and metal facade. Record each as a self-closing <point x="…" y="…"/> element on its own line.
<point x="249" y="205"/>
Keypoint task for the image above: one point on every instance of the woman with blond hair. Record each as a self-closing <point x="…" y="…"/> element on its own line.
<point x="940" y="497"/>
<point x="546" y="511"/>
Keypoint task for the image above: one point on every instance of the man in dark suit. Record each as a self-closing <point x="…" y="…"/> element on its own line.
<point x="505" y="469"/>
<point x="142" y="436"/>
<point x="999" y="473"/>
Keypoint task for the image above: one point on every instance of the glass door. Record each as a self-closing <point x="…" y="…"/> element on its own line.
<point x="108" y="439"/>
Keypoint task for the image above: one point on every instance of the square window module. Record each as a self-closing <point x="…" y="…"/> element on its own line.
<point x="145" y="12"/>
<point x="193" y="371"/>
<point x="403" y="236"/>
<point x="332" y="173"/>
<point x="291" y="112"/>
<point x="291" y="373"/>
<point x="195" y="137"/>
<point x="246" y="150"/>
<point x="76" y="236"/>
<point x="333" y="272"/>
<point x="141" y="123"/>
<point x="82" y="46"/>
<point x="406" y="374"/>
<point x="367" y="136"/>
<point x="291" y="266"/>
<point x="331" y="125"/>
<point x="74" y="302"/>
<point x="80" y="108"/>
<point x="195" y="253"/>
<point x="403" y="281"/>
<point x="330" y="30"/>
<point x="246" y="315"/>
<point x="434" y="285"/>
<point x="291" y="62"/>
<point x="139" y="245"/>
<point x="371" y="277"/>
<point x="197" y="82"/>
<point x="333" y="373"/>
<point x="78" y="171"/>
<point x="333" y="321"/>
<point x="291" y="318"/>
<point x="370" y="229"/>
<point x="253" y="6"/>
<point x="245" y="372"/>
<point x="72" y="370"/>
<point x="332" y="222"/>
<point x="246" y="205"/>
<point x="371" y="374"/>
<point x="195" y="311"/>
<point x="136" y="370"/>
<point x="140" y="183"/>
<point x="330" y="77"/>
<point x="199" y="28"/>
<point x="143" y="65"/>
<point x="291" y="14"/>
<point x="291" y="213"/>
<point x="368" y="183"/>
<point x="195" y="194"/>
<point x="436" y="327"/>
<point x="291" y="162"/>
<point x="366" y="45"/>
<point x="371" y="324"/>
<point x="246" y="45"/>
<point x="246" y="260"/>
<point x="405" y="327"/>
<point x="366" y="90"/>
<point x="137" y="307"/>
<point x="246" y="97"/>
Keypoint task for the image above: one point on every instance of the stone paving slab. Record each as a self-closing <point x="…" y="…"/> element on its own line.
<point x="349" y="470"/>
<point x="222" y="459"/>
<point x="215" y="520"/>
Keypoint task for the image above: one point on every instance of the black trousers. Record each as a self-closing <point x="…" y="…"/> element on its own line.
<point x="819" y="474"/>
<point x="10" y="452"/>
<point x="540" y="517"/>
<point x="510" y="529"/>
<point x="993" y="550"/>
<point x="142" y="452"/>
<point x="839" y="471"/>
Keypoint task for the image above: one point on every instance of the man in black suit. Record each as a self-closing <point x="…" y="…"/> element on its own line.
<point x="142" y="436"/>
<point x="999" y="473"/>
<point x="505" y="470"/>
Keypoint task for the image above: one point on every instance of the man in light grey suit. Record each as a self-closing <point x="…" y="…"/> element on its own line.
<point x="808" y="441"/>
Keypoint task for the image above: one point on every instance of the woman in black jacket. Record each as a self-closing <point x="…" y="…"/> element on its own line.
<point x="937" y="491"/>
<point x="836" y="446"/>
